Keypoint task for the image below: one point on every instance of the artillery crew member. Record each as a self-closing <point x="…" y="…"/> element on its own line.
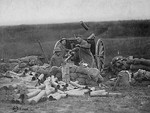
<point x="61" y="45"/>
<point x="56" y="59"/>
<point x="84" y="52"/>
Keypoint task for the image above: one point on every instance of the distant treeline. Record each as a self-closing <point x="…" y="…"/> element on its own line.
<point x="112" y="29"/>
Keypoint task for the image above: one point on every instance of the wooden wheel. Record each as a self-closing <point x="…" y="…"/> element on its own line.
<point x="100" y="55"/>
<point x="56" y="45"/>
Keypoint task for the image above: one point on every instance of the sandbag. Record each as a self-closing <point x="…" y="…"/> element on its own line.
<point x="80" y="75"/>
<point x="73" y="76"/>
<point x="16" y="68"/>
<point x="95" y="74"/>
<point x="142" y="61"/>
<point x="31" y="60"/>
<point x="137" y="67"/>
<point x="124" y="78"/>
<point x="90" y="82"/>
<point x="83" y="72"/>
<point x="81" y="81"/>
<point x="40" y="69"/>
<point x="141" y="75"/>
<point x="23" y="65"/>
<point x="12" y="65"/>
<point x="43" y="71"/>
<point x="147" y="75"/>
<point x="55" y="70"/>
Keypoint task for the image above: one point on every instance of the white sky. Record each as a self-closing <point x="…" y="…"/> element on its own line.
<point x="15" y="12"/>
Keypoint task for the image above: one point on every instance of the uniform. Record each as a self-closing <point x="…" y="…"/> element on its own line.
<point x="85" y="53"/>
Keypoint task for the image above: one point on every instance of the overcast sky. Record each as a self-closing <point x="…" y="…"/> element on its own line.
<point x="15" y="12"/>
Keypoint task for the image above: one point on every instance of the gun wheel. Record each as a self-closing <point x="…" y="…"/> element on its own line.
<point x="100" y="55"/>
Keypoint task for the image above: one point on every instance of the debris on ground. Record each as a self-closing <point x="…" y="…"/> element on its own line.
<point x="38" y="83"/>
<point x="30" y="82"/>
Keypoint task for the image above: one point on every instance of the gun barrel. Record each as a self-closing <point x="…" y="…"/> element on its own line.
<point x="84" y="25"/>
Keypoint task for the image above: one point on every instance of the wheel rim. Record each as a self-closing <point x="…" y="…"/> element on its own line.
<point x="100" y="55"/>
<point x="56" y="45"/>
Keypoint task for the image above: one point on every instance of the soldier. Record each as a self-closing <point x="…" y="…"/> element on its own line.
<point x="56" y="59"/>
<point x="85" y="52"/>
<point x="61" y="45"/>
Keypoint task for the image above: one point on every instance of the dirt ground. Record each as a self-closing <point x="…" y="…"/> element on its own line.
<point x="135" y="100"/>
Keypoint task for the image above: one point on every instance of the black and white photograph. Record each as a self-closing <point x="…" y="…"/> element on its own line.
<point x="74" y="56"/>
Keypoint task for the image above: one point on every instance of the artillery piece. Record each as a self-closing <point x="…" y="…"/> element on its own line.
<point x="97" y="48"/>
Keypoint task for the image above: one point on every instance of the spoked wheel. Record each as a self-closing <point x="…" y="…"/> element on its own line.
<point x="100" y="55"/>
<point x="56" y="45"/>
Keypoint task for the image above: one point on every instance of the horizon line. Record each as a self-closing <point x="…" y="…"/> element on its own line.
<point x="26" y="24"/>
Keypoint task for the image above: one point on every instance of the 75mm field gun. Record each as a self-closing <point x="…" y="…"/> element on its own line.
<point x="97" y="48"/>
